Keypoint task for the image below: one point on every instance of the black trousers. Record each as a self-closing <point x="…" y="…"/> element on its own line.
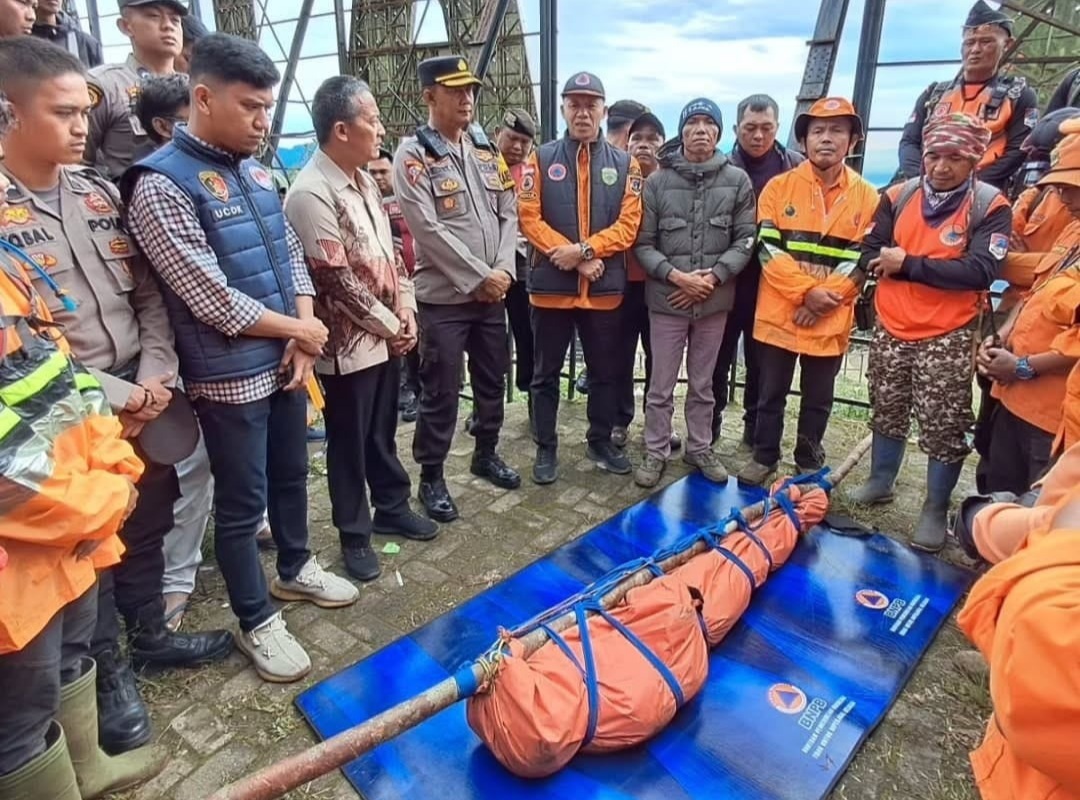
<point x="817" y="380"/>
<point x="1018" y="454"/>
<point x="361" y="452"/>
<point x="30" y="680"/>
<point x="517" y="310"/>
<point x="553" y="330"/>
<point x="447" y="333"/>
<point x="633" y="327"/>
<point x="740" y="324"/>
<point x="136" y="580"/>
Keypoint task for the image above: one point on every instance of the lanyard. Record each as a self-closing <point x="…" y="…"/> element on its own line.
<point x="69" y="303"/>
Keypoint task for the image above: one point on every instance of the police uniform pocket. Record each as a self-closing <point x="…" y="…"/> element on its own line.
<point x="116" y="253"/>
<point x="450" y="197"/>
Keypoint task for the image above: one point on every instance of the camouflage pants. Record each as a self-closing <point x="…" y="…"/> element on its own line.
<point x="931" y="377"/>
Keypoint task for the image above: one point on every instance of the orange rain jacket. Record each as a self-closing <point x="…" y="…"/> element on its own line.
<point x="809" y="237"/>
<point x="66" y="476"/>
<point x="1024" y="616"/>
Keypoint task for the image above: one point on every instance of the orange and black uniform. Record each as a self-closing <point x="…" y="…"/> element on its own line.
<point x="1005" y="104"/>
<point x="1029" y="413"/>
<point x="578" y="192"/>
<point x="921" y="353"/>
<point x="809" y="237"/>
<point x="1039" y="219"/>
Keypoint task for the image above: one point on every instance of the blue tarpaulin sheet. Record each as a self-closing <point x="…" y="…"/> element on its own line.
<point x="824" y="649"/>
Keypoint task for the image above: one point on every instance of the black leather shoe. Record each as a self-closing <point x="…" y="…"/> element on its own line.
<point x="492" y="468"/>
<point x="408" y="524"/>
<point x="608" y="458"/>
<point x="582" y="383"/>
<point x="151" y="644"/>
<point x="361" y="562"/>
<point x="123" y="723"/>
<point x="676" y="442"/>
<point x="410" y="410"/>
<point x="546" y="467"/>
<point x="437" y="501"/>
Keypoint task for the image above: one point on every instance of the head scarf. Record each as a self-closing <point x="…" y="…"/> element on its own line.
<point x="957" y="133"/>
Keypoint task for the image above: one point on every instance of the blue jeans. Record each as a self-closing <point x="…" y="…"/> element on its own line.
<point x="258" y="455"/>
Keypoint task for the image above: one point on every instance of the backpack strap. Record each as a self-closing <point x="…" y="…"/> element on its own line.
<point x="985" y="194"/>
<point x="911" y="185"/>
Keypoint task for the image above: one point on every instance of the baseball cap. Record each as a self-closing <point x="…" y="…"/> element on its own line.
<point x="520" y="121"/>
<point x="176" y="5"/>
<point x="623" y="111"/>
<point x="584" y="83"/>
<point x="827" y="108"/>
<point x="646" y="119"/>
<point x="450" y="71"/>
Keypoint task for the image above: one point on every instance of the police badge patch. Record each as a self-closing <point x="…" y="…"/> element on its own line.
<point x="609" y="175"/>
<point x="95" y="95"/>
<point x="120" y="246"/>
<point x="215" y="184"/>
<point x="413" y="170"/>
<point x="999" y="246"/>
<point x="261" y="176"/>
<point x="98" y="204"/>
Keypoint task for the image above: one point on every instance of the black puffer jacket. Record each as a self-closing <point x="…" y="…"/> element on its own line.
<point x="697" y="217"/>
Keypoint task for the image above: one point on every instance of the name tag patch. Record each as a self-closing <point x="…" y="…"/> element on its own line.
<point x="227" y="212"/>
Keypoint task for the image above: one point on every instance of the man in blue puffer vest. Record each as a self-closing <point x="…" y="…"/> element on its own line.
<point x="235" y="283"/>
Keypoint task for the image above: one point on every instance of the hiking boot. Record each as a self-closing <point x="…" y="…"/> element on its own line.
<point x="933" y="524"/>
<point x="608" y="457"/>
<point x="620" y="436"/>
<point x="123" y="722"/>
<point x="885" y="459"/>
<point x="648" y="473"/>
<point x="755" y="474"/>
<point x="546" y="467"/>
<point x="315" y="585"/>
<point x="150" y="643"/>
<point x="48" y="775"/>
<point x="96" y="772"/>
<point x="709" y="464"/>
<point x="486" y="464"/>
<point x="274" y="652"/>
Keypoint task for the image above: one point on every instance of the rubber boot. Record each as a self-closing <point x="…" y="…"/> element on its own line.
<point x="152" y="644"/>
<point x="123" y="721"/>
<point x="49" y="775"/>
<point x="886" y="456"/>
<point x="933" y="524"/>
<point x="97" y="773"/>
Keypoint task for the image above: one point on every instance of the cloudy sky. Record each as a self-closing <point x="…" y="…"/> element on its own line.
<point x="666" y="52"/>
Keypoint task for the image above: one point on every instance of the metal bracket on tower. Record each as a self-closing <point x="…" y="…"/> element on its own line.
<point x="821" y="61"/>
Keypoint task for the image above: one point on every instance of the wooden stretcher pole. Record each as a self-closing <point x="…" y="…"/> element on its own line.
<point x="277" y="779"/>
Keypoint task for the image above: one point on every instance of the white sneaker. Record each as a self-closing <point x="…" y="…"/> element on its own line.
<point x="316" y="585"/>
<point x="274" y="652"/>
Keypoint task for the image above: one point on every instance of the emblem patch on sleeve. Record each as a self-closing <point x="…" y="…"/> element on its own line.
<point x="95" y="95"/>
<point x="1031" y="116"/>
<point x="215" y="184"/>
<point x="413" y="170"/>
<point x="999" y="246"/>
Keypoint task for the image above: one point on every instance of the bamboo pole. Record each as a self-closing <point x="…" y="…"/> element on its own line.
<point x="275" y="780"/>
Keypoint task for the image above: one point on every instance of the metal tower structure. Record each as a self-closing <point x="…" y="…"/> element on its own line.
<point x="385" y="51"/>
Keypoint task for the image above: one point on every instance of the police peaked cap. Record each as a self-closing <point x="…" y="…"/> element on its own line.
<point x="983" y="14"/>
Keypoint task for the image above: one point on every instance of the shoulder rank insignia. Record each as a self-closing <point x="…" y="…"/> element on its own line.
<point x="95" y="94"/>
<point x="449" y="185"/>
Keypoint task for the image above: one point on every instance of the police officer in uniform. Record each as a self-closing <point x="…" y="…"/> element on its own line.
<point x="100" y="290"/>
<point x="458" y="199"/>
<point x="116" y="135"/>
<point x="1005" y="103"/>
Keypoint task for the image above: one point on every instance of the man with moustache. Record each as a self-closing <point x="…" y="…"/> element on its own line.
<point x="646" y="138"/>
<point x="154" y="28"/>
<point x="458" y="199"/>
<point x="762" y="157"/>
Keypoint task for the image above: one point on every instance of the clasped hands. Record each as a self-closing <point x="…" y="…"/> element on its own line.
<point x="691" y="287"/>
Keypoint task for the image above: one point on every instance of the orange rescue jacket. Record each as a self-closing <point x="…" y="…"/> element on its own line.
<point x="1024" y="617"/>
<point x="809" y="237"/>
<point x="1065" y="308"/>
<point x="67" y="474"/>
<point x="1039" y="220"/>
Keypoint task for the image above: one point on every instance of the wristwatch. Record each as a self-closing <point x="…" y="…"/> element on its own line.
<point x="587" y="253"/>
<point x="1024" y="371"/>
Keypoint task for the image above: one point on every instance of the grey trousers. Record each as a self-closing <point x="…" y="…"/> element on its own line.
<point x="183" y="544"/>
<point x="30" y="680"/>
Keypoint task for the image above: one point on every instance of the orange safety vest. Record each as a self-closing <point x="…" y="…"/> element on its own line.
<point x="1041" y="401"/>
<point x="1039" y="220"/>
<point x="911" y="311"/>
<point x="809" y="237"/>
<point x="68" y="471"/>
<point x="1024" y="617"/>
<point x="995" y="110"/>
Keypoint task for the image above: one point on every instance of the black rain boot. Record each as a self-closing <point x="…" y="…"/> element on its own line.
<point x="123" y="722"/>
<point x="933" y="524"/>
<point x="152" y="644"/>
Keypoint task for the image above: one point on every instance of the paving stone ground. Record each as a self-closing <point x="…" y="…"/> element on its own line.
<point x="222" y="721"/>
